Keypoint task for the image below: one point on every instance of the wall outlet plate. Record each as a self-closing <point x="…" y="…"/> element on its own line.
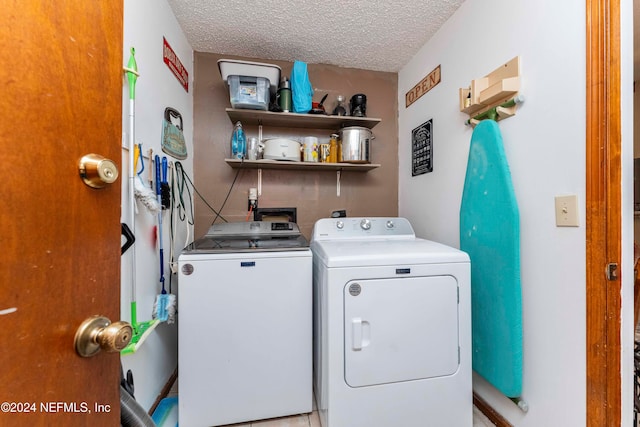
<point x="567" y="211"/>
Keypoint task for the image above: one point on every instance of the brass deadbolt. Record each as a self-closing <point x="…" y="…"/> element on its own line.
<point x="98" y="333"/>
<point x="97" y="171"/>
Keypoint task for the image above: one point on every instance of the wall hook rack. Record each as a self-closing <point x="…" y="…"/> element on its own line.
<point x="493" y="96"/>
<point x="497" y="113"/>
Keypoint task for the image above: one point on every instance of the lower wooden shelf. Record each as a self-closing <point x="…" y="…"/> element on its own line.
<point x="309" y="166"/>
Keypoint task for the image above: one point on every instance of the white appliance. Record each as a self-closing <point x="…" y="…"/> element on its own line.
<point x="392" y="326"/>
<point x="245" y="326"/>
<point x="282" y="149"/>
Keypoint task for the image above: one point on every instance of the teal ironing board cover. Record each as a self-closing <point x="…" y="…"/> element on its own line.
<point x="490" y="234"/>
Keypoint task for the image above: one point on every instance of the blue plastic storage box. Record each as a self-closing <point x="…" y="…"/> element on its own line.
<point x="248" y="92"/>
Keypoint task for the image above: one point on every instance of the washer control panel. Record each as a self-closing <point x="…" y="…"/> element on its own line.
<point x="356" y="228"/>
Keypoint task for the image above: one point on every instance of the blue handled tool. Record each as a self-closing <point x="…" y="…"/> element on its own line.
<point x="165" y="190"/>
<point x="159" y="194"/>
<point x="164" y="302"/>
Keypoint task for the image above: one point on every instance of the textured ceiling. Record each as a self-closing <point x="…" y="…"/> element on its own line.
<point x="381" y="35"/>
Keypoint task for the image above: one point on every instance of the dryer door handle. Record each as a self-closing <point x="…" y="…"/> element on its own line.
<point x="360" y="334"/>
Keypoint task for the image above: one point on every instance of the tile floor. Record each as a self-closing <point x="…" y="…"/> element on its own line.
<point x="313" y="420"/>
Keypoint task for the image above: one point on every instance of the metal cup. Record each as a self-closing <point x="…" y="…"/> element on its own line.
<point x="253" y="148"/>
<point x="325" y="149"/>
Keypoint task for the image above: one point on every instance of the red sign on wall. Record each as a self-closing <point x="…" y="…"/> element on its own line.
<point x="174" y="64"/>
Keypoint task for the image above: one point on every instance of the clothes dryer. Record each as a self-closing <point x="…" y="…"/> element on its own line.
<point x="392" y="326"/>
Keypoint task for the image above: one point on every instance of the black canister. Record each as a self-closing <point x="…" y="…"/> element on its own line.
<point x="358" y="105"/>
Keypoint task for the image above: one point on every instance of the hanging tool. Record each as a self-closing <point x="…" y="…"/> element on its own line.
<point x="165" y="190"/>
<point x="142" y="329"/>
<point x="129" y="237"/>
<point x="173" y="142"/>
<point x="180" y="195"/>
<point x="143" y="193"/>
<point x="164" y="306"/>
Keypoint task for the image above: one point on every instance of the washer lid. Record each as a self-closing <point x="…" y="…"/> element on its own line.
<point x="250" y="237"/>
<point x="378" y="252"/>
<point x="245" y="244"/>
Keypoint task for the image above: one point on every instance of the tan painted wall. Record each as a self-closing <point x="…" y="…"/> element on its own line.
<point x="373" y="193"/>
<point x="636" y="149"/>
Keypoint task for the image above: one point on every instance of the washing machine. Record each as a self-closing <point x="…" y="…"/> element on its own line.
<point x="392" y="326"/>
<point x="245" y="324"/>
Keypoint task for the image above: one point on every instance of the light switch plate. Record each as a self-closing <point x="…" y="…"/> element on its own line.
<point x="567" y="211"/>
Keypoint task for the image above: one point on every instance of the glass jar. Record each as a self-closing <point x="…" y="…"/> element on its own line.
<point x="333" y="148"/>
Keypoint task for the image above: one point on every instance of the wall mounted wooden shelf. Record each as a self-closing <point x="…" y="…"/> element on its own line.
<point x="299" y="121"/>
<point x="307" y="166"/>
<point x="492" y="90"/>
<point x="294" y="120"/>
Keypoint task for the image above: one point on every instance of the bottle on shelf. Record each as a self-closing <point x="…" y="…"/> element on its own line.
<point x="238" y="142"/>
<point x="284" y="96"/>
<point x="333" y="148"/>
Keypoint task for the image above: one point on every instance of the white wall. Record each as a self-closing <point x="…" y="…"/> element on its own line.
<point x="145" y="23"/>
<point x="545" y="147"/>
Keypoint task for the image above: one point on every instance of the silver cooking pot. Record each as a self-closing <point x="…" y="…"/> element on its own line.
<point x="356" y="142"/>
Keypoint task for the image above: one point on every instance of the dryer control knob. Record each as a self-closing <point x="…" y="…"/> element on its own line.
<point x="339" y="225"/>
<point x="390" y="224"/>
<point x="365" y="224"/>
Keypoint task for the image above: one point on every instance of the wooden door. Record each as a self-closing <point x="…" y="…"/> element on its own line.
<point x="60" y="98"/>
<point x="603" y="216"/>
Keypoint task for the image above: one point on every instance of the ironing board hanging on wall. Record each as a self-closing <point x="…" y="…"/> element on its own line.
<point x="490" y="234"/>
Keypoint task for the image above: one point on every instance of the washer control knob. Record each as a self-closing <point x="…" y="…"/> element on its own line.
<point x="339" y="225"/>
<point x="365" y="224"/>
<point x="390" y="224"/>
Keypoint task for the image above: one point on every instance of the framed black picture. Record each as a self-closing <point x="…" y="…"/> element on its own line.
<point x="422" y="149"/>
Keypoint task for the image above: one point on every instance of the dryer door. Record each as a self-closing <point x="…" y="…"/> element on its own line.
<point x="400" y="329"/>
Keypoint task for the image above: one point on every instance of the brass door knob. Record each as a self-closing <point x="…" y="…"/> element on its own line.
<point x="97" y="171"/>
<point x="98" y="333"/>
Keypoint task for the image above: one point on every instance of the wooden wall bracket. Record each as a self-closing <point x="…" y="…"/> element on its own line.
<point x="491" y="92"/>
